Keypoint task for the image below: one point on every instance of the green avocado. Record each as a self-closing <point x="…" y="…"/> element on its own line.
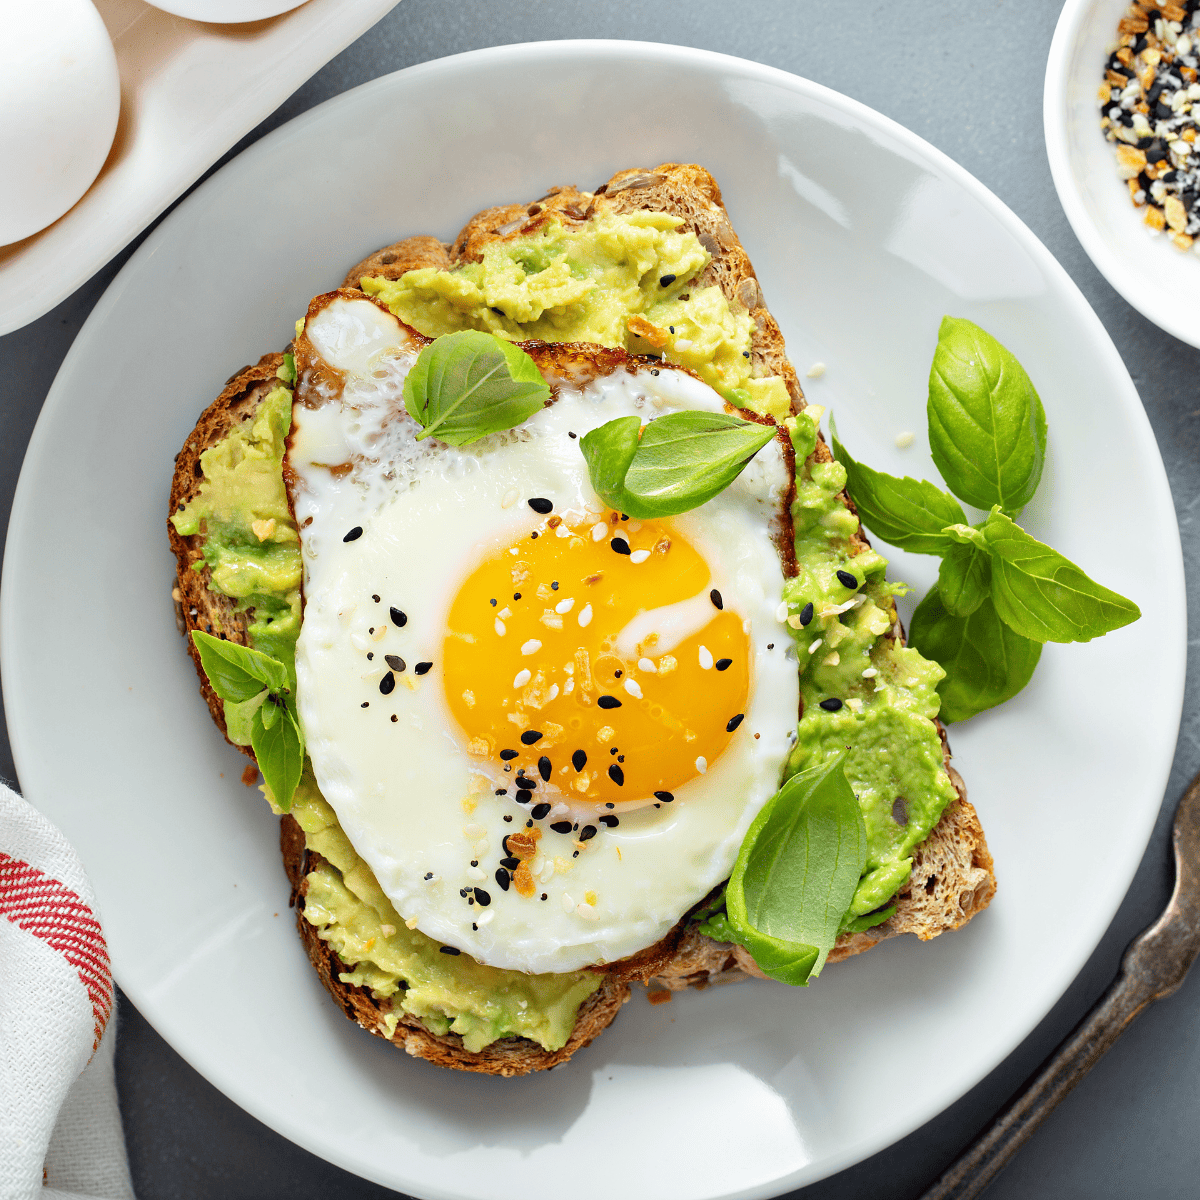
<point x="624" y="281"/>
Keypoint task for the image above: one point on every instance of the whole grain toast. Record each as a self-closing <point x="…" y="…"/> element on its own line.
<point x="952" y="877"/>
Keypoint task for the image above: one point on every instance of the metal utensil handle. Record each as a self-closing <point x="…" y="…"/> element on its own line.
<point x="974" y="1170"/>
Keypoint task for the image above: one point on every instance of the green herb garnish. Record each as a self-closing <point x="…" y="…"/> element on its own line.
<point x="1000" y="593"/>
<point x="675" y="464"/>
<point x="796" y="875"/>
<point x="466" y="385"/>
<point x="239" y="675"/>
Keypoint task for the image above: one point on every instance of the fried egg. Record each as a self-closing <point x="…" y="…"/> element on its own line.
<point x="545" y="727"/>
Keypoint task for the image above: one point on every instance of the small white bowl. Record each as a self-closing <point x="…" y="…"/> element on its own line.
<point x="1159" y="280"/>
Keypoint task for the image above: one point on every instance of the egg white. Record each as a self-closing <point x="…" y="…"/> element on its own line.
<point x="415" y="805"/>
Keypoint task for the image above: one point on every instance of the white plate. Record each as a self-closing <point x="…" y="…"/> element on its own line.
<point x="864" y="236"/>
<point x="227" y="11"/>
<point x="1160" y="281"/>
<point x="188" y="92"/>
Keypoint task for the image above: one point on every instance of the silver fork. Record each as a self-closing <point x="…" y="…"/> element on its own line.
<point x="1153" y="967"/>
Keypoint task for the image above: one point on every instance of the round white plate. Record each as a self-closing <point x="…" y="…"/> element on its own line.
<point x="863" y="236"/>
<point x="1159" y="280"/>
<point x="226" y="12"/>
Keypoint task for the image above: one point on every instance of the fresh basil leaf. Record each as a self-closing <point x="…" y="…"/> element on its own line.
<point x="964" y="579"/>
<point x="681" y="460"/>
<point x="797" y="872"/>
<point x="985" y="661"/>
<point x="270" y="712"/>
<point x="236" y="672"/>
<point x="853" y="924"/>
<point x="1043" y="595"/>
<point x="279" y="750"/>
<point x="909" y="513"/>
<point x="466" y="385"/>
<point x="987" y="427"/>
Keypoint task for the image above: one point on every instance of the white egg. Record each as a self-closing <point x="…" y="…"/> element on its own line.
<point x="411" y="762"/>
<point x="60" y="97"/>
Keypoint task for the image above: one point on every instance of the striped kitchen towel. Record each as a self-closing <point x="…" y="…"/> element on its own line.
<point x="60" y="1130"/>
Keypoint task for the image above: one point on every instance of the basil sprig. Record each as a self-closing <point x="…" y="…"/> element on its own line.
<point x="987" y="427"/>
<point x="796" y="874"/>
<point x="1000" y="593"/>
<point x="466" y="385"/>
<point x="678" y="462"/>
<point x="238" y="675"/>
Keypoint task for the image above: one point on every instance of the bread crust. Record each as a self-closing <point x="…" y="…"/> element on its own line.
<point x="952" y="877"/>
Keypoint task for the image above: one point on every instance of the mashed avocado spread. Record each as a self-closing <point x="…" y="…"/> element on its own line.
<point x="618" y="281"/>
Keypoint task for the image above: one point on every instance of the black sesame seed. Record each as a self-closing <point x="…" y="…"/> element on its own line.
<point x="375" y="598"/>
<point x="666" y="281"/>
<point x="464" y="892"/>
<point x="365" y="704"/>
<point x="511" y="863"/>
<point x="554" y="585"/>
<point x="370" y="655"/>
<point x="561" y="826"/>
<point x="394" y="718"/>
<point x="531" y="737"/>
<point x="616" y="774"/>
<point x="665" y="797"/>
<point x="544" y="768"/>
<point x="428" y="876"/>
<point x="540" y="504"/>
<point x="613" y="750"/>
<point x="482" y="898"/>
<point x="508" y="818"/>
<point x="523" y="796"/>
<point x="387" y="684"/>
<point x="522" y="781"/>
<point x="770" y="645"/>
<point x="492" y="602"/>
<point x="507" y="754"/>
<point x="399" y="619"/>
<point x="570" y="435"/>
<point x="474" y="862"/>
<point x="474" y="926"/>
<point x="806" y="613"/>
<point x="723" y="664"/>
<point x="544" y="895"/>
<point x="608" y="821"/>
<point x="538" y="811"/>
<point x="423" y="668"/>
<point x="671" y="328"/>
<point x="745" y="353"/>
<point x="353" y="536"/>
<point x="516" y="595"/>
<point x="502" y="791"/>
<point x="579" y="760"/>
<point x="394" y="661"/>
<point x="831" y="705"/>
<point x="734" y="722"/>
<point x="609" y="702"/>
<point x="575" y="854"/>
<point x="654" y="371"/>
<point x="610" y="804"/>
<point x="502" y="878"/>
<point x="587" y="833"/>
<point x="715" y="597"/>
<point x="847" y="580"/>
<point x="618" y="674"/>
<point x="620" y="758"/>
<point x="534" y="535"/>
<point x="450" y="950"/>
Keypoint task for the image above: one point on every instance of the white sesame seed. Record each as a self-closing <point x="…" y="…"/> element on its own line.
<point x="634" y="526"/>
<point x="485" y="917"/>
<point x="816" y="370"/>
<point x="813" y="648"/>
<point x="565" y="606"/>
<point x="905" y="439"/>
<point x="794" y="621"/>
<point x="633" y="688"/>
<point x="706" y="658"/>
<point x="599" y="531"/>
<point x="521" y="678"/>
<point x="870" y="673"/>
<point x="358" y="641"/>
<point x="387" y="930"/>
<point x="781" y="613"/>
<point x="504" y="613"/>
<point x="475" y="873"/>
<point x="473" y="830"/>
<point x="682" y="345"/>
<point x="647" y="665"/>
<point x="499" y="627"/>
<point x="702" y="765"/>
<point x="568" y="687"/>
<point x="531" y="647"/>
<point x="586" y="911"/>
<point x="854" y="703"/>
<point x="639" y="556"/>
<point x="567" y="902"/>
<point x="346" y="613"/>
<point x="553" y="693"/>
<point x="547" y="871"/>
<point x="585" y="616"/>
<point x="510" y="498"/>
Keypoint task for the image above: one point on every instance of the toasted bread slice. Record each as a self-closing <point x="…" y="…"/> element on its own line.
<point x="952" y="877"/>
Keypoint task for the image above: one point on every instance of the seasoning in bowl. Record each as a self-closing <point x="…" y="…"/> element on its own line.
<point x="1150" y="109"/>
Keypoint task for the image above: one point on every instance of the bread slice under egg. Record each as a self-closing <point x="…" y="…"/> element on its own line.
<point x="952" y="877"/>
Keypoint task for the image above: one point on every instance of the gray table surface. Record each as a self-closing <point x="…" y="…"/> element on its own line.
<point x="966" y="75"/>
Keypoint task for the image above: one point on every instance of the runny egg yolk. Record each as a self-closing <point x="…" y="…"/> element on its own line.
<point x="595" y="659"/>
